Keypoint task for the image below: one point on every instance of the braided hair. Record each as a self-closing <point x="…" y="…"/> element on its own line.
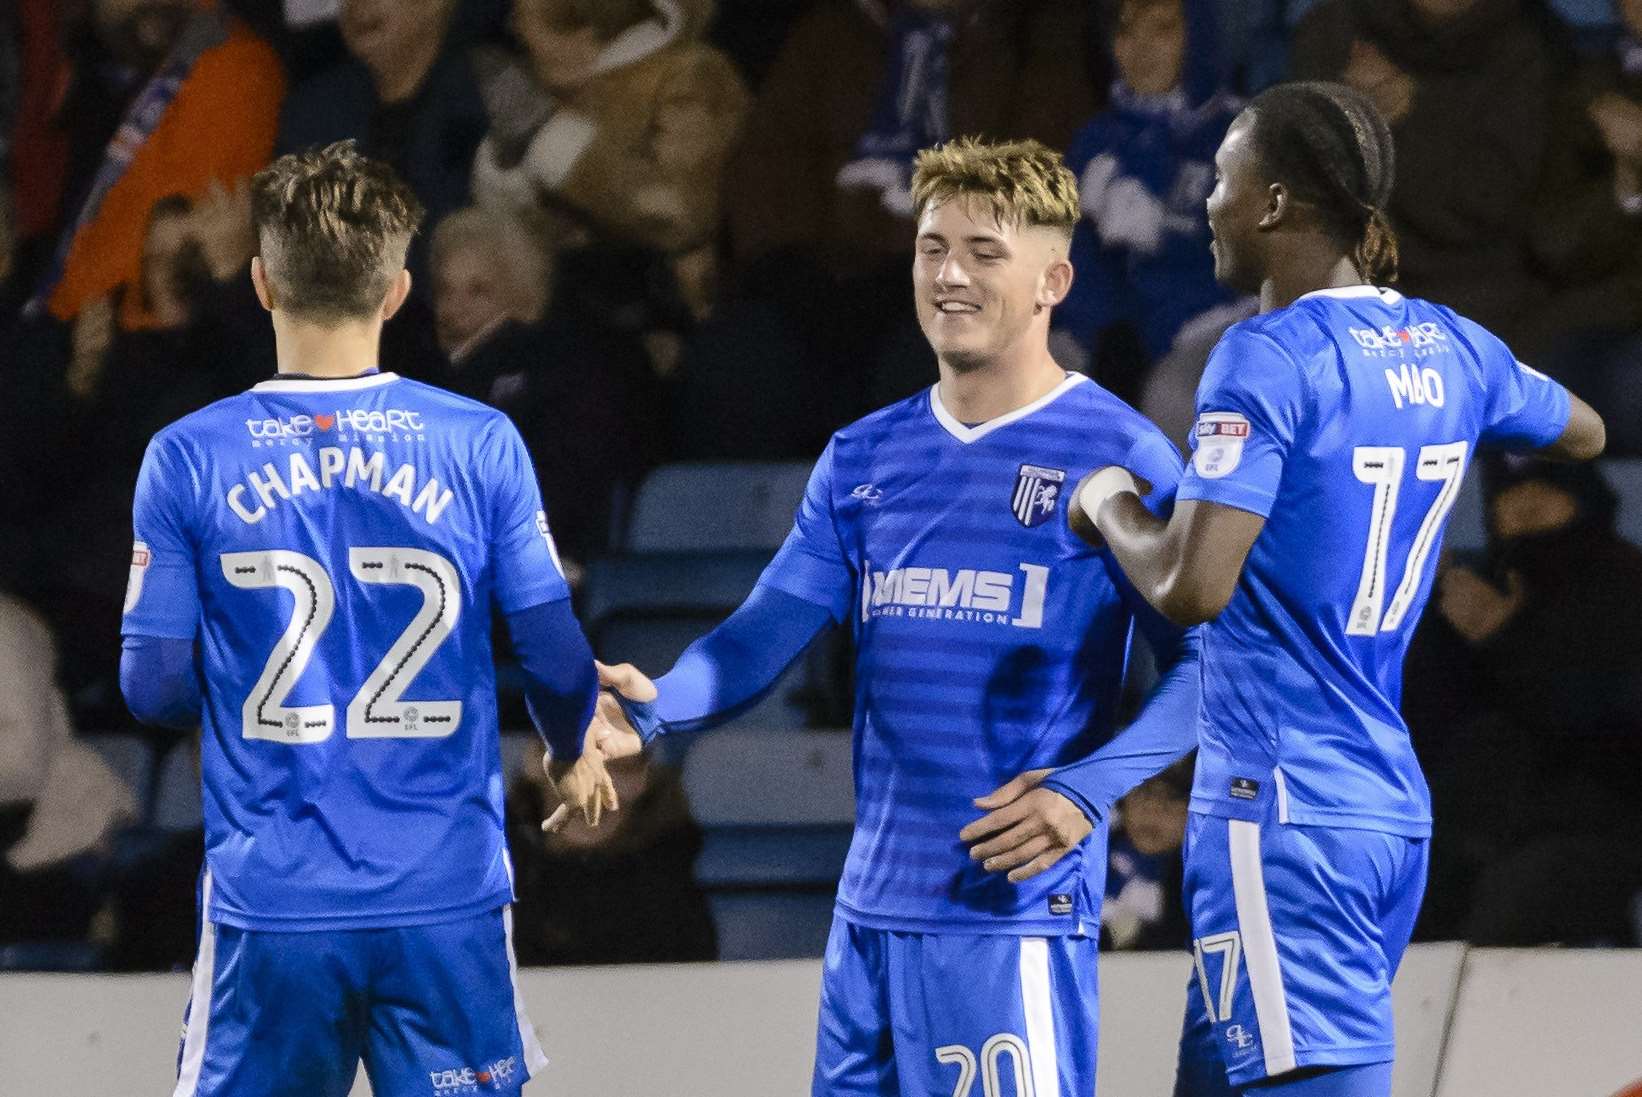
<point x="1329" y="145"/>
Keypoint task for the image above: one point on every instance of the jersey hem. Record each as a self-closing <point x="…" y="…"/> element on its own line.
<point x="1348" y="1055"/>
<point x="1314" y="817"/>
<point x="394" y="920"/>
<point x="993" y="927"/>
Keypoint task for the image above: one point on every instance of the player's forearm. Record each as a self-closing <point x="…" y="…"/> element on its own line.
<point x="1164" y="732"/>
<point x="159" y="681"/>
<point x="730" y="669"/>
<point x="1583" y="439"/>
<point x="561" y="683"/>
<point x="1142" y="544"/>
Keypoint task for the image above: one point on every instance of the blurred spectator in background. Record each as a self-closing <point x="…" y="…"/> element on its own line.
<point x="818" y="327"/>
<point x="161" y="97"/>
<point x="409" y="95"/>
<point x="626" y="142"/>
<point x="1144" y="869"/>
<point x="582" y="395"/>
<point x="1465" y="85"/>
<point x="1587" y="233"/>
<point x="60" y="802"/>
<point x="1525" y="701"/>
<point x="86" y="405"/>
<point x="1145" y="167"/>
<point x="622" y="893"/>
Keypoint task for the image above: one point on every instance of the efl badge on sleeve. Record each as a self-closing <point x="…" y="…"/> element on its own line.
<point x="139" y="568"/>
<point x="1036" y="490"/>
<point x="1220" y="438"/>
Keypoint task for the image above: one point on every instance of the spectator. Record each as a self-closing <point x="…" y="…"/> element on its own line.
<point x="1143" y="907"/>
<point x="630" y="136"/>
<point x="623" y="893"/>
<point x="815" y="210"/>
<point x="1524" y="692"/>
<point x="166" y="97"/>
<point x="581" y="394"/>
<point x="408" y="94"/>
<point x="1465" y="85"/>
<point x="1145" y="168"/>
<point x="59" y="801"/>
<point x="1587" y="233"/>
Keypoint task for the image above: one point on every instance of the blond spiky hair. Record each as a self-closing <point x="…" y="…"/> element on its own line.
<point x="1019" y="182"/>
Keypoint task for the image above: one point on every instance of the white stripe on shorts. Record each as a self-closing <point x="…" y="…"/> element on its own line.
<point x="1040" y="1017"/>
<point x="1271" y="1009"/>
<point x="199" y="999"/>
<point x="535" y="1057"/>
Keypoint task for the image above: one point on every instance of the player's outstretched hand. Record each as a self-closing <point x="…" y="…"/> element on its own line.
<point x="627" y="680"/>
<point x="617" y="736"/>
<point x="1026" y="828"/>
<point x="583" y="785"/>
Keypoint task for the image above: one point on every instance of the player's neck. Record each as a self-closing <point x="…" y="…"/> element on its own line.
<point x="997" y="388"/>
<point x="346" y="350"/>
<point x="1296" y="275"/>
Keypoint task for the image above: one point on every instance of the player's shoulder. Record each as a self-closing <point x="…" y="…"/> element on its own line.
<point x="898" y="420"/>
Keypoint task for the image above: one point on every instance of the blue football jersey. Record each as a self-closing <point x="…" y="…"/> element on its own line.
<point x="1348" y="420"/>
<point x="990" y="639"/>
<point x="337" y="547"/>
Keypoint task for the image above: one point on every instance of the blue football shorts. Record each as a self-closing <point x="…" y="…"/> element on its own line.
<point x="1298" y="932"/>
<point x="955" y="1015"/>
<point x="430" y="1010"/>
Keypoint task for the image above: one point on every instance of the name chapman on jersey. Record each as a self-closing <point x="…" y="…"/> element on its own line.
<point x="353" y="469"/>
<point x="964" y="594"/>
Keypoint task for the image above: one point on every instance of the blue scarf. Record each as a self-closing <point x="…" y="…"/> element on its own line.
<point x="911" y="112"/>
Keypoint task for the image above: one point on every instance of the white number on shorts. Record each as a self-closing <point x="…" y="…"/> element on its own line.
<point x="1230" y="948"/>
<point x="989" y="1065"/>
<point x="1382" y="466"/>
<point x="376" y="711"/>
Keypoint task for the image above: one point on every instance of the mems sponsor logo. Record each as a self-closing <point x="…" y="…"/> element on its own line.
<point x="957" y="594"/>
<point x="397" y="423"/>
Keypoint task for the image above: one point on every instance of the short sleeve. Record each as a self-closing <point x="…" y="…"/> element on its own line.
<point x="1154" y="459"/>
<point x="811" y="564"/>
<point x="1526" y="409"/>
<point x="1249" y="408"/>
<point x="526" y="560"/>
<point x="162" y="594"/>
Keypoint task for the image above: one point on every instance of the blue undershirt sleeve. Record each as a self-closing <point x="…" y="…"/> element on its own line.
<point x="1163" y="733"/>
<point x="160" y="680"/>
<point x="561" y="683"/>
<point x="730" y="669"/>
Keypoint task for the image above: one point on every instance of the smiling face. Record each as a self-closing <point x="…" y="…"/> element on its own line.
<point x="980" y="284"/>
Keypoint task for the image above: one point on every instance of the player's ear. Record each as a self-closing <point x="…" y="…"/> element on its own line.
<point x="1277" y="206"/>
<point x="1055" y="283"/>
<point x="397" y="293"/>
<point x="259" y="279"/>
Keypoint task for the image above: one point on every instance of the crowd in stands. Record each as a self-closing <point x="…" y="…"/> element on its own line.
<point x="666" y="230"/>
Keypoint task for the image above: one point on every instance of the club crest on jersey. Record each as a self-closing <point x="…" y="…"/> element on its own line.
<point x="1037" y="490"/>
<point x="1220" y="437"/>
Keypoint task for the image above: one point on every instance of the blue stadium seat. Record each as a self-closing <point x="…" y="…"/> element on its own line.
<point x="776" y="812"/>
<point x="716" y="505"/>
<point x="670" y="582"/>
<point x="178" y="802"/>
<point x="132" y="759"/>
<point x="1624" y="475"/>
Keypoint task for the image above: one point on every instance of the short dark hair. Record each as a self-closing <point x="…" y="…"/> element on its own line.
<point x="1330" y="146"/>
<point x="332" y="228"/>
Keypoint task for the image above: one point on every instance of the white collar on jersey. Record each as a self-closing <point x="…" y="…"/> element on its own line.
<point x="973" y="434"/>
<point x="315" y="384"/>
<point x="1389" y="296"/>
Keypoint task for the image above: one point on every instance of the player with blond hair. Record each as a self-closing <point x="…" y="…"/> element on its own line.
<point x="317" y="564"/>
<point x="990" y="640"/>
